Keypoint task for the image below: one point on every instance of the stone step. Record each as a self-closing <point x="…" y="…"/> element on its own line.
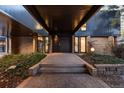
<point x="62" y="68"/>
<point x="62" y="65"/>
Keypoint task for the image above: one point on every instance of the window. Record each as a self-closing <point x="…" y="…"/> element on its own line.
<point x="40" y="44"/>
<point x="82" y="44"/>
<point x="76" y="44"/>
<point x="46" y="44"/>
<point x="3" y="37"/>
<point x="43" y="44"/>
<point x="2" y="44"/>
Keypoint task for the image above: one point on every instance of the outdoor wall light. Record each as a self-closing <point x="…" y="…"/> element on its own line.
<point x="40" y="38"/>
<point x="83" y="28"/>
<point x="92" y="49"/>
<point x="39" y="27"/>
<point x="56" y="38"/>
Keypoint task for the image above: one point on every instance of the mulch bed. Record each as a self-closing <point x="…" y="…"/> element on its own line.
<point x="8" y="81"/>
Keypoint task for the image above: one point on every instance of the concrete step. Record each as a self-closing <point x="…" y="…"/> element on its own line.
<point x="62" y="65"/>
<point x="62" y="68"/>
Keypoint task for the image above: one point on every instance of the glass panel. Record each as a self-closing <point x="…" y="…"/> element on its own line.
<point x="3" y="34"/>
<point x="2" y="45"/>
<point x="40" y="44"/>
<point x="82" y="44"/>
<point x="76" y="44"/>
<point x="46" y="44"/>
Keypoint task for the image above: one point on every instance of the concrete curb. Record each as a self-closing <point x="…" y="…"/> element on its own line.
<point x="92" y="70"/>
<point x="34" y="69"/>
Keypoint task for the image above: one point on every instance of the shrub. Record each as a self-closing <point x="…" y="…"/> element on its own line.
<point x="9" y="60"/>
<point x="21" y="62"/>
<point x="22" y="67"/>
<point x="102" y="59"/>
<point x="118" y="51"/>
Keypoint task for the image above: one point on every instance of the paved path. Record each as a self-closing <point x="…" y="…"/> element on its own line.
<point x="62" y="58"/>
<point x="63" y="80"/>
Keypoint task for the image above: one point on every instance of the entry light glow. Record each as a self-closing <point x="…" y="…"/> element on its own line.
<point x="39" y="27"/>
<point x="56" y="38"/>
<point x="40" y="38"/>
<point x="92" y="49"/>
<point x="83" y="28"/>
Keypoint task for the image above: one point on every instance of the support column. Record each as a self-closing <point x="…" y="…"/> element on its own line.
<point x="50" y="44"/>
<point x="9" y="39"/>
<point x="73" y="44"/>
<point x="87" y="44"/>
<point x="79" y="45"/>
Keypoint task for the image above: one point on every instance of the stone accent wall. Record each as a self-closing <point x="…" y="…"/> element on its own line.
<point x="110" y="69"/>
<point x="23" y="45"/>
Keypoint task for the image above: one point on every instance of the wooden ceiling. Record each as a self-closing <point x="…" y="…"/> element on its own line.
<point x="58" y="19"/>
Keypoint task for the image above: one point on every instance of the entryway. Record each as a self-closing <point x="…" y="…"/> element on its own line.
<point x="62" y="70"/>
<point x="62" y="63"/>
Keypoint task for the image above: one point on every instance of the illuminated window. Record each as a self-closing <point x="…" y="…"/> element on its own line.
<point x="76" y="44"/>
<point x="46" y="44"/>
<point x="40" y="44"/>
<point x="82" y="44"/>
<point x="84" y="27"/>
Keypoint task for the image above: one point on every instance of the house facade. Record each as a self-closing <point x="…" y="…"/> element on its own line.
<point x="99" y="33"/>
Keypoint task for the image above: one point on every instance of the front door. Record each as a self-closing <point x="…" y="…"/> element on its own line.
<point x="62" y="44"/>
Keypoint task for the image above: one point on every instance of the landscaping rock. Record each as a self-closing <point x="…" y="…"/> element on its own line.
<point x="11" y="67"/>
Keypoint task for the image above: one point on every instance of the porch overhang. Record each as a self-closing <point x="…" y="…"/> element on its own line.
<point x="62" y="19"/>
<point x="21" y="19"/>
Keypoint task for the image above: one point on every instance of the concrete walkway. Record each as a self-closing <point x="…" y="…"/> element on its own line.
<point x="63" y="80"/>
<point x="62" y="58"/>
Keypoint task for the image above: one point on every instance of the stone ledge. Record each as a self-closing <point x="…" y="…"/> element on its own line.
<point x="92" y="70"/>
<point x="34" y="69"/>
<point x="109" y="65"/>
<point x="109" y="69"/>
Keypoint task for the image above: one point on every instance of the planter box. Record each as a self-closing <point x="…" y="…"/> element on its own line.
<point x="109" y="69"/>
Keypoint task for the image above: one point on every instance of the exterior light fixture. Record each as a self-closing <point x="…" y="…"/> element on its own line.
<point x="39" y="27"/>
<point x="92" y="49"/>
<point x="83" y="28"/>
<point x="56" y="38"/>
<point x="40" y="38"/>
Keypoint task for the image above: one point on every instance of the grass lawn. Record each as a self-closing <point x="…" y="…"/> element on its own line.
<point x="11" y="77"/>
<point x="101" y="59"/>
